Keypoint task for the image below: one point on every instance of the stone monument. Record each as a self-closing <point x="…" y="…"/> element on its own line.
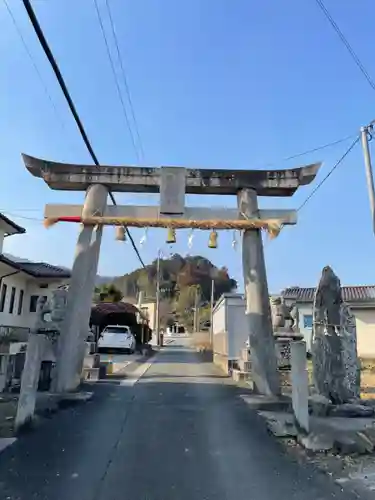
<point x="336" y="366"/>
<point x="285" y="324"/>
<point x="42" y="342"/>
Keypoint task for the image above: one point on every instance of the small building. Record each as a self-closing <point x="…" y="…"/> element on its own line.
<point x="229" y="329"/>
<point x="361" y="300"/>
<point x="21" y="284"/>
<point x="148" y="308"/>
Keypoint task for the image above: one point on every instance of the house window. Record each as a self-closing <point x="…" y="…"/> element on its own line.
<point x="307" y="320"/>
<point x="12" y="299"/>
<point x="33" y="303"/>
<point x="20" y="303"/>
<point x="3" y="297"/>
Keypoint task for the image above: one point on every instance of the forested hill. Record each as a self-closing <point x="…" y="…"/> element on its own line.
<point x="177" y="274"/>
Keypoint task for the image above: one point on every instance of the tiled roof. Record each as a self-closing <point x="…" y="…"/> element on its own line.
<point x="349" y="293"/>
<point x="15" y="228"/>
<point x="36" y="269"/>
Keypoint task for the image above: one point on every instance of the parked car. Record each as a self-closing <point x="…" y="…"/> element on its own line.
<point x="118" y="337"/>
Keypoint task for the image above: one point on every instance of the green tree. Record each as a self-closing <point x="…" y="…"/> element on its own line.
<point x="107" y="293"/>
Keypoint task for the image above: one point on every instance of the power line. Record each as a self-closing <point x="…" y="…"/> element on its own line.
<point x="12" y="214"/>
<point x="345" y="41"/>
<point x="52" y="61"/>
<point x="123" y="72"/>
<point x="45" y="88"/>
<point x="329" y="174"/>
<point x="127" y="121"/>
<point x="314" y="150"/>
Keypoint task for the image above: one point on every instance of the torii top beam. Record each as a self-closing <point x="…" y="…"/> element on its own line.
<point x="69" y="177"/>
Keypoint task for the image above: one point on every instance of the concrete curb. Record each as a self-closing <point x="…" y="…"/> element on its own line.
<point x="140" y="361"/>
<point x="6" y="442"/>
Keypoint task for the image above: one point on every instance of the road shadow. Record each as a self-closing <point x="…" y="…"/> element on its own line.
<point x="173" y="355"/>
<point x="201" y="427"/>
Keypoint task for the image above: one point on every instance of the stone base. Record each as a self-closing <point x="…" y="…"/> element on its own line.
<point x="91" y="361"/>
<point x="91" y="374"/>
<point x="244" y="366"/>
<point x="239" y="375"/>
<point x="269" y="403"/>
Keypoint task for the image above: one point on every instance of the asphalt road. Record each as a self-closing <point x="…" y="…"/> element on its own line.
<point x="180" y="433"/>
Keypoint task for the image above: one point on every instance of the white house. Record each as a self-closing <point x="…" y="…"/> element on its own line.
<point x="21" y="283"/>
<point x="361" y="300"/>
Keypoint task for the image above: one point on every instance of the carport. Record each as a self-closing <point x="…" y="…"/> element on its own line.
<point x="120" y="313"/>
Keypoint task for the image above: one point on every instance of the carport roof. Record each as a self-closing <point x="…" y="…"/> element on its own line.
<point x="104" y="308"/>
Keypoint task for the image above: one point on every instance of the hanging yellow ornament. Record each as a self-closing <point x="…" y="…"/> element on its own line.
<point x="120" y="233"/>
<point x="212" y="241"/>
<point x="171" y="235"/>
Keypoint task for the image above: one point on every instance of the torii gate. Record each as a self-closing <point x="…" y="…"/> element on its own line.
<point x="172" y="183"/>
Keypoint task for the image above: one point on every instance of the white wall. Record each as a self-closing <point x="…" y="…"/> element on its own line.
<point x="229" y="326"/>
<point x="365" y="322"/>
<point x="19" y="282"/>
<point x="237" y="323"/>
<point x="150" y="308"/>
<point x="1" y="240"/>
<point x="30" y="286"/>
<point x="305" y="310"/>
<point x="219" y="340"/>
<point x="218" y="318"/>
<point x="229" y="320"/>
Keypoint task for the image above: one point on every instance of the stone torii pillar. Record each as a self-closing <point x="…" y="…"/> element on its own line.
<point x="173" y="183"/>
<point x="258" y="313"/>
<point x="75" y="327"/>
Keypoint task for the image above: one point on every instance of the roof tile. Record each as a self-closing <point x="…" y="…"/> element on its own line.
<point x="349" y="293"/>
<point x="37" y="269"/>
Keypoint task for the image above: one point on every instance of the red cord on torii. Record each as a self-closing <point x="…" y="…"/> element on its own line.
<point x="50" y="221"/>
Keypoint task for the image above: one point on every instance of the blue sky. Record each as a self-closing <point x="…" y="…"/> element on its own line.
<point x="215" y="83"/>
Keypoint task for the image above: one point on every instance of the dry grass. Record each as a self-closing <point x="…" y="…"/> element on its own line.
<point x="367" y="378"/>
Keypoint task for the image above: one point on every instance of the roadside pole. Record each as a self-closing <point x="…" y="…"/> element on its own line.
<point x="141" y="322"/>
<point x="158" y="299"/>
<point x="196" y="310"/>
<point x="365" y="132"/>
<point x="212" y="309"/>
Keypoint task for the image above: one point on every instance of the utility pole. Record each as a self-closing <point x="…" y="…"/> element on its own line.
<point x="196" y="309"/>
<point x="141" y="321"/>
<point x="212" y="309"/>
<point x="365" y="132"/>
<point x="158" y="298"/>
